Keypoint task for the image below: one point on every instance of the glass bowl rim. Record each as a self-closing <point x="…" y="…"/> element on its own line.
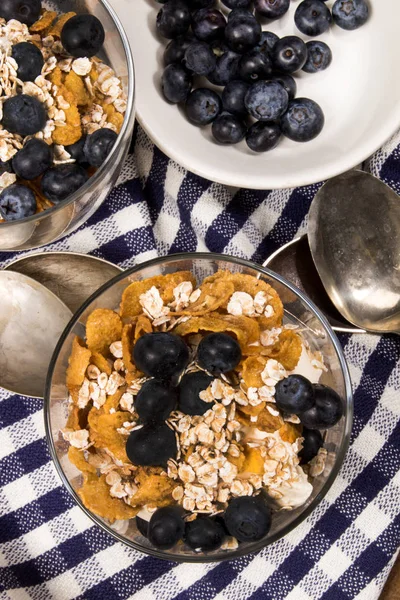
<point x="99" y="174"/>
<point x="256" y="546"/>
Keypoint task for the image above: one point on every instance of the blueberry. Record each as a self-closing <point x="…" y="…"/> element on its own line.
<point x="294" y="394"/>
<point x="63" y="180"/>
<point x="98" y="146"/>
<point x="219" y="47"/>
<point x="16" y="202"/>
<point x="190" y="387"/>
<point x="288" y="83"/>
<point x="289" y="54"/>
<point x="152" y="445"/>
<point x="83" y="36"/>
<point x="228" y="129"/>
<point x="155" y="401"/>
<point x="303" y="120"/>
<point x="312" y="442"/>
<point x="197" y="4"/>
<point x="208" y="24"/>
<point x="6" y="167"/>
<point x="350" y="14"/>
<point x="254" y="65"/>
<point x="218" y="353"/>
<point x="166" y="527"/>
<point x="143" y="526"/>
<point x="24" y="115"/>
<point x="248" y="519"/>
<point x="271" y="9"/>
<point x="175" y="83"/>
<point x="266" y="100"/>
<point x="312" y="17"/>
<point x="33" y="159"/>
<point x="160" y="355"/>
<point x="233" y="97"/>
<point x="319" y="57"/>
<point x="267" y="42"/>
<point x="25" y="11"/>
<point x="263" y="136"/>
<point x="29" y="60"/>
<point x="199" y="59"/>
<point x="232" y="4"/>
<point x="175" y="50"/>
<point x="203" y="106"/>
<point x="204" y="534"/>
<point x="327" y="410"/>
<point x="225" y="69"/>
<point x="173" y="19"/>
<point x="241" y="13"/>
<point x="242" y="33"/>
<point x="77" y="151"/>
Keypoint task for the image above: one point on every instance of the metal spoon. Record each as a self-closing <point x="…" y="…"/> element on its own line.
<point x="72" y="277"/>
<point x="31" y="321"/>
<point x="294" y="261"/>
<point x="354" y="237"/>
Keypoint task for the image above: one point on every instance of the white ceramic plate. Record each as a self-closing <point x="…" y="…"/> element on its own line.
<point x="359" y="94"/>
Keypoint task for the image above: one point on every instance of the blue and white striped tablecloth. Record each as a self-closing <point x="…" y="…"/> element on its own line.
<point x="343" y="551"/>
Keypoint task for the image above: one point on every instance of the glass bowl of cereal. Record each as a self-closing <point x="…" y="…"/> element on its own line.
<point x="198" y="407"/>
<point x="66" y="115"/>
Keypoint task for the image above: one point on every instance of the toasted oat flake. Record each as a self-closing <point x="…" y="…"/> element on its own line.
<point x="241" y="303"/>
<point x="82" y="66"/>
<point x="269" y="337"/>
<point x="230" y="543"/>
<point x="273" y="370"/>
<point x="186" y="473"/>
<point x="77" y="439"/>
<point x="116" y="349"/>
<point x="317" y="464"/>
<point x="152" y="304"/>
<point x="177" y="493"/>
<point x="7" y="179"/>
<point x="182" y="294"/>
<point x="126" y="402"/>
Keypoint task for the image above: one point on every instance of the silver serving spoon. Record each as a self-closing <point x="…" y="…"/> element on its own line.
<point x="72" y="277"/>
<point x="294" y="261"/>
<point x="354" y="237"/>
<point x="31" y="321"/>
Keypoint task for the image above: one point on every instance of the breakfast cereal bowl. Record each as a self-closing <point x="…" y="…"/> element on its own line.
<point x="55" y="220"/>
<point x="82" y="420"/>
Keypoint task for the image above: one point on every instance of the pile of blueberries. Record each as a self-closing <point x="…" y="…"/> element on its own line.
<point x="82" y="36"/>
<point x="254" y="67"/>
<point x="163" y="357"/>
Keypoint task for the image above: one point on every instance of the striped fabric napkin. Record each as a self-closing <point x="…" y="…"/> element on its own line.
<point x="343" y="551"/>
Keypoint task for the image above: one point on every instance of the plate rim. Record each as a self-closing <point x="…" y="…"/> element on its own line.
<point x="337" y="169"/>
<point x="260" y="181"/>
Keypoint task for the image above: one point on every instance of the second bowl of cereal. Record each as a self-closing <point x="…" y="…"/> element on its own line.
<point x="66" y="116"/>
<point x="198" y="407"/>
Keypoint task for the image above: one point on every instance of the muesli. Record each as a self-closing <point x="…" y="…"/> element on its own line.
<point x="195" y="409"/>
<point x="61" y="107"/>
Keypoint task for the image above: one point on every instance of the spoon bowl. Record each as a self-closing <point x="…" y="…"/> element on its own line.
<point x="31" y="321"/>
<point x="71" y="276"/>
<point x="354" y="238"/>
<point x="294" y="261"/>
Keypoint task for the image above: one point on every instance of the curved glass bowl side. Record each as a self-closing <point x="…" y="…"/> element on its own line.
<point x="298" y="309"/>
<point x="66" y="216"/>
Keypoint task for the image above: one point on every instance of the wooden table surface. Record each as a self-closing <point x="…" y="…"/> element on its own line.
<point x="391" y="590"/>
